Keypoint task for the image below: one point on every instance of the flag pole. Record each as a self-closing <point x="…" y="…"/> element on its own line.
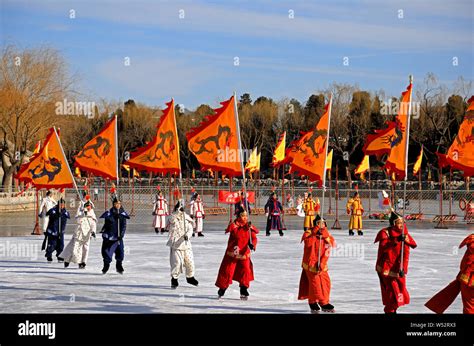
<point x="324" y="179"/>
<point x="67" y="164"/>
<point x="180" y="171"/>
<point x="402" y="273"/>
<point x="241" y="162"/>
<point x="336" y="225"/>
<point x="116" y="150"/>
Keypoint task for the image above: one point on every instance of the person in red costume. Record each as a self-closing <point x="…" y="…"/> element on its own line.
<point x="464" y="283"/>
<point x="236" y="264"/>
<point x="392" y="264"/>
<point x="315" y="284"/>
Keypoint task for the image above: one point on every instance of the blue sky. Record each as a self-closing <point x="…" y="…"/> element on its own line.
<point x="192" y="58"/>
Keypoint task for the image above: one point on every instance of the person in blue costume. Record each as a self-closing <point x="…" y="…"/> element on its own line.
<point x="54" y="235"/>
<point x="113" y="233"/>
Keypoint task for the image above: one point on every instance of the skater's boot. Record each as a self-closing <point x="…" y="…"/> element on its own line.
<point x="106" y="268"/>
<point x="221" y="292"/>
<point x="156" y="230"/>
<point x="82" y="265"/>
<point x="200" y="234"/>
<point x="360" y="233"/>
<point x="119" y="268"/>
<point x="66" y="264"/>
<point x="244" y="294"/>
<point x="327" y="308"/>
<point x="314" y="308"/>
<point x="174" y="283"/>
<point x="281" y="233"/>
<point x="60" y="260"/>
<point x="194" y="234"/>
<point x="351" y="232"/>
<point x="50" y="259"/>
<point x="267" y="234"/>
<point x="192" y="281"/>
<point x="164" y="230"/>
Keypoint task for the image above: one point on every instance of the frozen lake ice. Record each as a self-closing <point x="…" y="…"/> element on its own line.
<point x="28" y="284"/>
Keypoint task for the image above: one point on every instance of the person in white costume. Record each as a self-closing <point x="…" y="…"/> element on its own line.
<point x="77" y="250"/>
<point x="299" y="205"/>
<point x="181" y="253"/>
<point x="46" y="203"/>
<point x="198" y="214"/>
<point x="160" y="211"/>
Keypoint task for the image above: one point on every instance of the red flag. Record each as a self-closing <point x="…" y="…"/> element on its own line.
<point x="308" y="154"/>
<point x="397" y="159"/>
<point x="49" y="167"/>
<point x="461" y="153"/>
<point x="381" y="141"/>
<point x="215" y="143"/>
<point x="99" y="156"/>
<point x="161" y="154"/>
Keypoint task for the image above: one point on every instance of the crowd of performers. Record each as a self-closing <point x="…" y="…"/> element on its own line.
<point x="394" y="245"/>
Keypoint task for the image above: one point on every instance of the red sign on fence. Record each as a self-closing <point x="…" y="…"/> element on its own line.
<point x="228" y="197"/>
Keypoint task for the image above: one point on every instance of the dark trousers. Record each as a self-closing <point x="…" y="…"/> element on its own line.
<point x="55" y="243"/>
<point x="111" y="247"/>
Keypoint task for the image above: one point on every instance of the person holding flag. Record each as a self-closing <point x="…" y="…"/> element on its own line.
<point x="77" y="250"/>
<point x="46" y="204"/>
<point x="181" y="253"/>
<point x="115" y="226"/>
<point x="197" y="214"/>
<point x="355" y="209"/>
<point x="236" y="264"/>
<point x="392" y="262"/>
<point x="315" y="284"/>
<point x="160" y="211"/>
<point x="54" y="236"/>
<point x="273" y="211"/>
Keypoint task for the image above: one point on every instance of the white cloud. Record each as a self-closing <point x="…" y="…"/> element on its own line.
<point x="319" y="23"/>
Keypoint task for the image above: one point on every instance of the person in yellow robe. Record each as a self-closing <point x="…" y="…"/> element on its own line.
<point x="311" y="209"/>
<point x="355" y="209"/>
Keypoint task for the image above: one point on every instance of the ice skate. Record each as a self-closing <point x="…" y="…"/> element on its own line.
<point x="327" y="308"/>
<point x="174" y="283"/>
<point x="244" y="294"/>
<point x="315" y="309"/>
<point x="106" y="267"/>
<point x="119" y="268"/>
<point x="192" y="281"/>
<point x="221" y="292"/>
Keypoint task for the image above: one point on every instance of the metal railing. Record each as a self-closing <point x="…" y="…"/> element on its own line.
<point x="138" y="200"/>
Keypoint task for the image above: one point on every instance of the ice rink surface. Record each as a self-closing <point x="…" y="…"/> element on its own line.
<point x="28" y="284"/>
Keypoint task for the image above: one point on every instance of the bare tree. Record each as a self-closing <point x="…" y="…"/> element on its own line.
<point x="31" y="82"/>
